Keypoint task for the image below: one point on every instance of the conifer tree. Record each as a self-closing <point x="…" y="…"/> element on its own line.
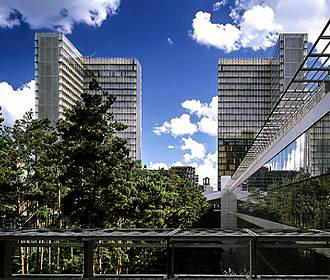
<point x="96" y="162"/>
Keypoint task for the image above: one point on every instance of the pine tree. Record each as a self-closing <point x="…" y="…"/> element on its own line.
<point x="28" y="177"/>
<point x="96" y="162"/>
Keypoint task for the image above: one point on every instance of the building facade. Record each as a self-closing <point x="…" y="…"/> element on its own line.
<point x="186" y="173"/>
<point x="62" y="74"/>
<point x="248" y="91"/>
<point x="59" y="75"/>
<point x="244" y="105"/>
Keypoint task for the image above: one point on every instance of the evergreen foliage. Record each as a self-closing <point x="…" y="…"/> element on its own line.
<point x="80" y="175"/>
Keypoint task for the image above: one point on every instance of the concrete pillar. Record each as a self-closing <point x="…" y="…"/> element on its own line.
<point x="228" y="205"/>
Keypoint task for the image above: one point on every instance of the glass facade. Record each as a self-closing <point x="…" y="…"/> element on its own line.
<point x="63" y="74"/>
<point x="122" y="78"/>
<point x="309" y="153"/>
<point x="243" y="107"/>
<point x="58" y="75"/>
<point x="248" y="91"/>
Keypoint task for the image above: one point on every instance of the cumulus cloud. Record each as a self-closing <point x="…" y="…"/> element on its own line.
<point x="206" y="115"/>
<point x="170" y="41"/>
<point x="178" y="163"/>
<point x="177" y="126"/>
<point x="208" y="168"/>
<point x="221" y="36"/>
<point x="197" y="150"/>
<point x="207" y="119"/>
<point x="259" y="29"/>
<point x="256" y="23"/>
<point x="16" y="102"/>
<point x="219" y="4"/>
<point x="60" y="15"/>
<point x="157" y="165"/>
<point x="170" y="147"/>
<point x="206" y="112"/>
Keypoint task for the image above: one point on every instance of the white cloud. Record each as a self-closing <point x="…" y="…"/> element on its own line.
<point x="60" y="15"/>
<point x="208" y="168"/>
<point x="6" y="20"/>
<point x="209" y="126"/>
<point x="170" y="147"/>
<point x="221" y="36"/>
<point x="16" y="102"/>
<point x="259" y="29"/>
<point x="207" y="112"/>
<point x="219" y="4"/>
<point x="197" y="150"/>
<point x="177" y="126"/>
<point x="170" y="41"/>
<point x="256" y="23"/>
<point x="301" y="16"/>
<point x="157" y="165"/>
<point x="178" y="163"/>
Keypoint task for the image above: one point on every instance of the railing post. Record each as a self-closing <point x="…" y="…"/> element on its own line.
<point x="253" y="258"/>
<point x="88" y="259"/>
<point x="5" y="259"/>
<point x="170" y="260"/>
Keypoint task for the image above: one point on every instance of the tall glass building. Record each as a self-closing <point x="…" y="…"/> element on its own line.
<point x="62" y="74"/>
<point x="244" y="105"/>
<point x="248" y="91"/>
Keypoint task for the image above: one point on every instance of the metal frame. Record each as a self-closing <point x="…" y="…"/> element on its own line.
<point x="308" y="87"/>
<point x="168" y="238"/>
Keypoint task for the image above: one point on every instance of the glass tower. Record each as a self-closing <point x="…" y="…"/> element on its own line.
<point x="59" y="75"/>
<point x="248" y="90"/>
<point x="63" y="74"/>
<point x="122" y="78"/>
<point x="243" y="107"/>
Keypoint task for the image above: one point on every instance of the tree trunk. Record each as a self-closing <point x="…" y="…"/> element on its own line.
<point x="42" y="258"/>
<point x="22" y="260"/>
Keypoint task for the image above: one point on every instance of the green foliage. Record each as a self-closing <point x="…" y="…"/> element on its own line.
<point x="96" y="161"/>
<point x="160" y="199"/>
<point x="80" y="175"/>
<point x="28" y="175"/>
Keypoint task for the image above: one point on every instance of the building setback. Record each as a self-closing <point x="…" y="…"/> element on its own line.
<point x="62" y="74"/>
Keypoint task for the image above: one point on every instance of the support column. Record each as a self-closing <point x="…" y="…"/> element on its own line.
<point x="170" y="259"/>
<point x="88" y="259"/>
<point x="228" y="206"/>
<point x="253" y="258"/>
<point x="5" y="259"/>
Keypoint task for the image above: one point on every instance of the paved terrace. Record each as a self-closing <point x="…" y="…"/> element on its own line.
<point x="161" y="238"/>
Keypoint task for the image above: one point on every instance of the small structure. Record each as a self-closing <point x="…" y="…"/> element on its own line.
<point x="206" y="185"/>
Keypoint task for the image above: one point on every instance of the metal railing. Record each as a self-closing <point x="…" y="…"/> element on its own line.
<point x="169" y="239"/>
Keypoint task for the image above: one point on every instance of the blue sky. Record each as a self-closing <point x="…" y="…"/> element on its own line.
<point x="177" y="43"/>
